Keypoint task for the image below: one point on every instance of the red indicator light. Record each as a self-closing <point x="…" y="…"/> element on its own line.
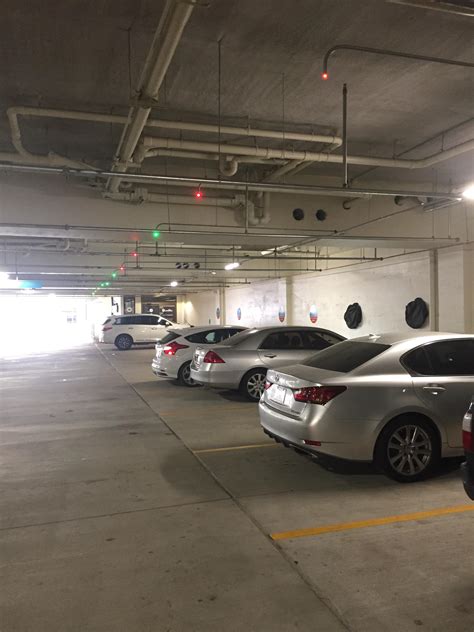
<point x="198" y="194"/>
<point x="134" y="254"/>
<point x="122" y="268"/>
<point x="324" y="76"/>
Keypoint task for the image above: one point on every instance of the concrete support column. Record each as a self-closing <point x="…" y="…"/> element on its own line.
<point x="289" y="301"/>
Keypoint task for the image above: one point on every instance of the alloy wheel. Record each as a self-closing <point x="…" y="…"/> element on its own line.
<point x="186" y="375"/>
<point x="409" y="450"/>
<point x="255" y="385"/>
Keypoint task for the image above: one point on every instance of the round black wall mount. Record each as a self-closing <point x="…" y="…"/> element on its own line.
<point x="353" y="316"/>
<point x="416" y="313"/>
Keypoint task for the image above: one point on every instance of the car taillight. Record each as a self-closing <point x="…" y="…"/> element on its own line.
<point x="318" y="394"/>
<point x="107" y="328"/>
<point x="211" y="357"/>
<point x="467" y="433"/>
<point x="173" y="347"/>
<point x="267" y="384"/>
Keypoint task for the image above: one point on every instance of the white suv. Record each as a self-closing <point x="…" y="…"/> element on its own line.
<point x="134" y="329"/>
<point x="174" y="352"/>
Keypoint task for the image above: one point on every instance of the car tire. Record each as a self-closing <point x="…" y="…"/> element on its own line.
<point x="408" y="449"/>
<point x="184" y="375"/>
<point x="123" y="342"/>
<point x="252" y="384"/>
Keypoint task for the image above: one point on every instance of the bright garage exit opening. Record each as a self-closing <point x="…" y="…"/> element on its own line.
<point x="31" y="323"/>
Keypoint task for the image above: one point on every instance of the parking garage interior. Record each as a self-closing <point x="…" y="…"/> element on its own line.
<point x="216" y="164"/>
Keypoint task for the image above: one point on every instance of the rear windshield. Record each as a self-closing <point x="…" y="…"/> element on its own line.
<point x="346" y="356"/>
<point x="170" y="336"/>
<point x="240" y="337"/>
<point x="106" y="321"/>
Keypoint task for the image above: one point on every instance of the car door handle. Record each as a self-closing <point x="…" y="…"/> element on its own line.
<point x="434" y="389"/>
<point x="269" y="355"/>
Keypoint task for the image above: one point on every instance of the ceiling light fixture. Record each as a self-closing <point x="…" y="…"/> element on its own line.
<point x="232" y="266"/>
<point x="468" y="193"/>
<point x="174" y="283"/>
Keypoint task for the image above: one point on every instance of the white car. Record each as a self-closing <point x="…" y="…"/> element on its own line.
<point x="134" y="329"/>
<point x="175" y="351"/>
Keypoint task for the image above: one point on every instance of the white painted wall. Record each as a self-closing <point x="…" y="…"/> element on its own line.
<point x="259" y="303"/>
<point x="201" y="309"/>
<point x="382" y="289"/>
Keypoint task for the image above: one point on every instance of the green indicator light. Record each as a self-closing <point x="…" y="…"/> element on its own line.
<point x="107" y="283"/>
<point x="114" y="275"/>
<point x="156" y="234"/>
<point x="102" y="285"/>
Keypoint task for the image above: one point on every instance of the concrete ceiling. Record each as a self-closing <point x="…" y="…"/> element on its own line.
<point x="85" y="55"/>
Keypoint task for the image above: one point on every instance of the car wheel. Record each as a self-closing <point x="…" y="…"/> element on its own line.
<point x="123" y="342"/>
<point x="253" y="384"/>
<point x="408" y="450"/>
<point x="184" y="375"/>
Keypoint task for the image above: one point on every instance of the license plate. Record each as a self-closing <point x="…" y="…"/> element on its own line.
<point x="277" y="394"/>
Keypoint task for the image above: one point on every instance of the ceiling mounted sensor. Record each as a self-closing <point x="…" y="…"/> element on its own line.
<point x="320" y="215"/>
<point x="460" y="7"/>
<point x="298" y="214"/>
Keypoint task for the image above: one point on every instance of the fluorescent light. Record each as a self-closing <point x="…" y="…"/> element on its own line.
<point x="468" y="192"/>
<point x="213" y="272"/>
<point x="232" y="266"/>
<point x="174" y="283"/>
<point x="266" y="252"/>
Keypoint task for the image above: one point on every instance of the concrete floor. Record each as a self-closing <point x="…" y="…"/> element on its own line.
<point x="120" y="511"/>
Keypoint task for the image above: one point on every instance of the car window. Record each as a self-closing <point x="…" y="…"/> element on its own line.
<point x="241" y="337"/>
<point x="170" y="336"/>
<point x="317" y="341"/>
<point x="198" y="337"/>
<point x="163" y="322"/>
<point x="345" y="356"/>
<point x="224" y="334"/>
<point x="106" y="321"/>
<point x="282" y="340"/>
<point x="417" y="361"/>
<point x="447" y="357"/>
<point x="146" y="320"/>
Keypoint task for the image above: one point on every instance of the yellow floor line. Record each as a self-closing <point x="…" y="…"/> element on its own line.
<point x="237" y="447"/>
<point x="373" y="522"/>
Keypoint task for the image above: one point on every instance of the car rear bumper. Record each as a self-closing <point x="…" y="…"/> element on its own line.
<point x="467" y="470"/>
<point x="347" y="439"/>
<point x="162" y="368"/>
<point x="215" y="379"/>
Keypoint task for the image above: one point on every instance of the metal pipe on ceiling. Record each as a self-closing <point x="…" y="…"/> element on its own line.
<point x="390" y="53"/>
<point x="153" y="142"/>
<point x="237" y="185"/>
<point x="167" y="36"/>
<point x="14" y="112"/>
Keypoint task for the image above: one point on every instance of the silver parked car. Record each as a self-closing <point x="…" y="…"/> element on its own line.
<point x="241" y="363"/>
<point x="397" y="400"/>
<point x="174" y="352"/>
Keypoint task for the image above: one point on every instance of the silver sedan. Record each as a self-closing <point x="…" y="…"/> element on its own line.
<point x="241" y="363"/>
<point x="397" y="400"/>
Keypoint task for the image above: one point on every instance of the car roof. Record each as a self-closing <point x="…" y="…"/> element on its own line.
<point x="283" y="328"/>
<point x="415" y="337"/>
<point x="137" y="314"/>
<point x="184" y="331"/>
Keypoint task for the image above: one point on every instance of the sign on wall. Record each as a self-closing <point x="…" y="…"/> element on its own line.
<point x="313" y="314"/>
<point x="281" y="314"/>
<point x="239" y="313"/>
<point x="218" y="313"/>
